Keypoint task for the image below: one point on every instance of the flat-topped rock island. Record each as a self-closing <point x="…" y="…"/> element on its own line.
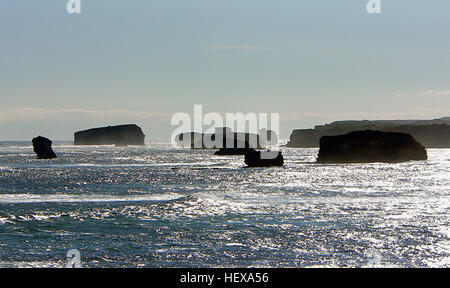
<point x="120" y="135"/>
<point x="370" y="146"/>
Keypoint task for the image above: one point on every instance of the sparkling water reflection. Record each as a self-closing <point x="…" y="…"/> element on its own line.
<point x="157" y="206"/>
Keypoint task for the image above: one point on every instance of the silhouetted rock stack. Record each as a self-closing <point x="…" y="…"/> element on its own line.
<point x="264" y="158"/>
<point x="370" y="146"/>
<point x="121" y="135"/>
<point x="43" y="148"/>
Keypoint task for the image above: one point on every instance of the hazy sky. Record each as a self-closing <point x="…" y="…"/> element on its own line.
<point x="140" y="61"/>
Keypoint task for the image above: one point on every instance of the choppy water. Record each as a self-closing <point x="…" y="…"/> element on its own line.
<point x="156" y="206"/>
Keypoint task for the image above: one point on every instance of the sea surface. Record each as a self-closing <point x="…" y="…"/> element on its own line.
<point x="158" y="206"/>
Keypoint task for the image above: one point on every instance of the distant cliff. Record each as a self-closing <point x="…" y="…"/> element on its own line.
<point x="431" y="133"/>
<point x="120" y="135"/>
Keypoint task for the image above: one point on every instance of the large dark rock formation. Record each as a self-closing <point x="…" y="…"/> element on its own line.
<point x="370" y="146"/>
<point x="43" y="148"/>
<point x="120" y="135"/>
<point x="264" y="158"/>
<point x="431" y="133"/>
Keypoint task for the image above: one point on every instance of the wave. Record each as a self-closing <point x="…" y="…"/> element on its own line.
<point x="84" y="198"/>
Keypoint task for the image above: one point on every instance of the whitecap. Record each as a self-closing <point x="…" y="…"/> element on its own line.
<point x="67" y="198"/>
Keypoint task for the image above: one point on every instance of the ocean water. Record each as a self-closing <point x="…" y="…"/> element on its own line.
<point x="157" y="206"/>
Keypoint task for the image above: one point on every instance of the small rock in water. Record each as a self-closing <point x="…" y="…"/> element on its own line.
<point x="264" y="159"/>
<point x="43" y="148"/>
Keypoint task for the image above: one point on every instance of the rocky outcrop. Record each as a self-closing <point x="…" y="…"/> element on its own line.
<point x="264" y="158"/>
<point x="43" y="148"/>
<point x="120" y="135"/>
<point x="431" y="133"/>
<point x="370" y="146"/>
<point x="304" y="138"/>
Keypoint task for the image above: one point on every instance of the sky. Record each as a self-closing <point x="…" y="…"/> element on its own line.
<point x="141" y="61"/>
